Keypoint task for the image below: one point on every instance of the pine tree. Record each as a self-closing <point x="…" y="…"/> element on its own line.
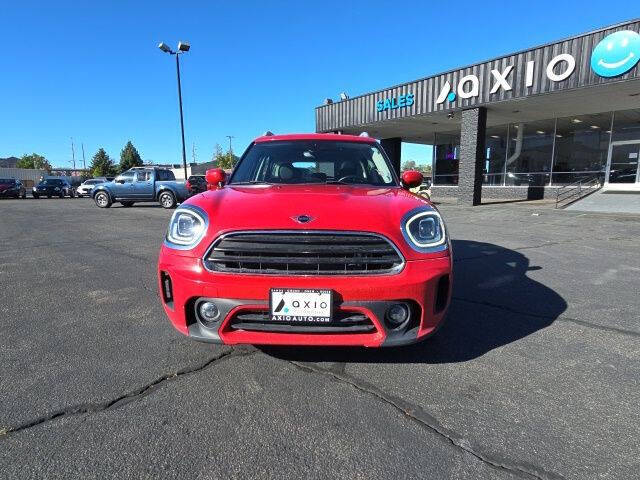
<point x="102" y="165"/>
<point x="129" y="157"/>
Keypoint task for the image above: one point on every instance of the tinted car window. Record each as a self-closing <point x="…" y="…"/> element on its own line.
<point x="166" y="175"/>
<point x="296" y="162"/>
<point x="144" y="176"/>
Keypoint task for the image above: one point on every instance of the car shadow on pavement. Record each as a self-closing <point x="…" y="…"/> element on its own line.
<point x="494" y="303"/>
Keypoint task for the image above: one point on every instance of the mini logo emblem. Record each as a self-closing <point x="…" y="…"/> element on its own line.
<point x="302" y="218"/>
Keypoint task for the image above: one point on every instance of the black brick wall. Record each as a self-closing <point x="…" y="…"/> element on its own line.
<point x="497" y="193"/>
<point x="472" y="155"/>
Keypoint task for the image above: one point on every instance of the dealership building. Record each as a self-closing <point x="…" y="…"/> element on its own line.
<point x="518" y="126"/>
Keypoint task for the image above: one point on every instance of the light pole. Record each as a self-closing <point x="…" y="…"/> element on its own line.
<point x="230" y="137"/>
<point x="183" y="47"/>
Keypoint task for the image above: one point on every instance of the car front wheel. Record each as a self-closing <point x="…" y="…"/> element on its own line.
<point x="102" y="200"/>
<point x="167" y="200"/>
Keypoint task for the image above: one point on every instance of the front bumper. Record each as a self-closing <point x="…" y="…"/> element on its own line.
<point x="423" y="284"/>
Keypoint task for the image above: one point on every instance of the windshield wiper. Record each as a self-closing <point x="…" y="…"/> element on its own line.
<point x="338" y="182"/>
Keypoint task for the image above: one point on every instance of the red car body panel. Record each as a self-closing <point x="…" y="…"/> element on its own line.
<point x="347" y="208"/>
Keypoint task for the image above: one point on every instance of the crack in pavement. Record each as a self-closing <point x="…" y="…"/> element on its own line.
<point x="92" y="408"/>
<point x="425" y="420"/>
<point x="560" y="318"/>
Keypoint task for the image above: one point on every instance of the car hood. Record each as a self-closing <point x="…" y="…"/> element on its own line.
<point x="331" y="207"/>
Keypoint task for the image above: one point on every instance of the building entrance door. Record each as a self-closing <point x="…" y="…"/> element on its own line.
<point x="623" y="164"/>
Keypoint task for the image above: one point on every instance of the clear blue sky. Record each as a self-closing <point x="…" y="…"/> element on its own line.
<point x="91" y="70"/>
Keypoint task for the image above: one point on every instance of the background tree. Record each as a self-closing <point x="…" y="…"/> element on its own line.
<point x="129" y="157"/>
<point x="409" y="165"/>
<point x="102" y="165"/>
<point x="34" y="161"/>
<point x="224" y="160"/>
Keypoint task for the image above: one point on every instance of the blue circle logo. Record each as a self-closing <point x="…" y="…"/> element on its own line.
<point x="451" y="97"/>
<point x="616" y="54"/>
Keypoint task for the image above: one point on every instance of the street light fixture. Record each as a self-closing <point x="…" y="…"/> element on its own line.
<point x="183" y="47"/>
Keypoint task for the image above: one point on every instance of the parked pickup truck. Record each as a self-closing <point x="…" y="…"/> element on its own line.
<point x="141" y="184"/>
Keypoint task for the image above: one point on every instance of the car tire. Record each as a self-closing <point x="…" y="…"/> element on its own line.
<point x="48" y="196"/>
<point x="127" y="204"/>
<point x="36" y="196"/>
<point x="24" y="196"/>
<point x="61" y="194"/>
<point x="167" y="199"/>
<point x="102" y="200"/>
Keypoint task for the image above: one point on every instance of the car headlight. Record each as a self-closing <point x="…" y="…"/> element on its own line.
<point x="424" y="230"/>
<point x="187" y="227"/>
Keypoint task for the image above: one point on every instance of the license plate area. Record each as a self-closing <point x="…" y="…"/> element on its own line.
<point x="301" y="305"/>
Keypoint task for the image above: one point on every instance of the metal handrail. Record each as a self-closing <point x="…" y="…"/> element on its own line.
<point x="574" y="191"/>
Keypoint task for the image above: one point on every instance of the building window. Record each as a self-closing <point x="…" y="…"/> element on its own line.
<point x="582" y="144"/>
<point x="626" y="125"/>
<point x="496" y="150"/>
<point x="447" y="158"/>
<point x="529" y="153"/>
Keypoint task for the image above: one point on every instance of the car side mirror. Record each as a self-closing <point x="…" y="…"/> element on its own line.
<point x="215" y="178"/>
<point x="412" y="179"/>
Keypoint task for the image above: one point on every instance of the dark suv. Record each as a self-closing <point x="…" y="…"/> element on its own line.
<point x="53" y="187"/>
<point x="196" y="184"/>
<point x="10" y="187"/>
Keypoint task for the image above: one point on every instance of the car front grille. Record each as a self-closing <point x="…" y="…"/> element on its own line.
<point x="303" y="253"/>
<point x="342" y="322"/>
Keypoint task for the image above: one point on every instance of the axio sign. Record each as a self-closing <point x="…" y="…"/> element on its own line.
<point x="615" y="54"/>
<point x="469" y="85"/>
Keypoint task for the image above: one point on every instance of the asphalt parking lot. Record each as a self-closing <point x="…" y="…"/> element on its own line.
<point x="536" y="373"/>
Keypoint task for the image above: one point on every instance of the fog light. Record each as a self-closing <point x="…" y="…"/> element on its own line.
<point x="397" y="314"/>
<point x="209" y="311"/>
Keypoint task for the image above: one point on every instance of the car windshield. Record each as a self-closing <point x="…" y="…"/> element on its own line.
<point x="92" y="182"/>
<point x="324" y="162"/>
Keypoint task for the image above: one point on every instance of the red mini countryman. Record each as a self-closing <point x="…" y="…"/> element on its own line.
<point x="313" y="240"/>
